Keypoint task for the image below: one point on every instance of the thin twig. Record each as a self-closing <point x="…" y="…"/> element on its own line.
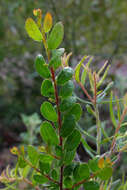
<point x="85" y="91"/>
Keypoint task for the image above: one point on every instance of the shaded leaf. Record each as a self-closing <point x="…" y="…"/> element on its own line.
<point x="73" y="140"/>
<point x="42" y="67"/>
<point x="47" y="88"/>
<point x="65" y="75"/>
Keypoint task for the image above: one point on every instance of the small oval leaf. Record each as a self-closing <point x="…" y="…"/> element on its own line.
<point x="33" y="30"/>
<point x="47" y="22"/>
<point x="48" y="111"/>
<point x="48" y="133"/>
<point x="67" y="89"/>
<point x="73" y="140"/>
<point x="68" y="125"/>
<point x="41" y="67"/>
<point x="56" y="36"/>
<point x="65" y="75"/>
<point x="47" y="89"/>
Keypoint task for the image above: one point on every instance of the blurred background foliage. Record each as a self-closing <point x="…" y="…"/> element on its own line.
<point x="94" y="27"/>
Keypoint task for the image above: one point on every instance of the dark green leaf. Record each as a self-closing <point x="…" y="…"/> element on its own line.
<point x="33" y="154"/>
<point x="48" y="111"/>
<point x="42" y="67"/>
<point x="47" y="88"/>
<point x="66" y="104"/>
<point x="65" y="75"/>
<point x="68" y="182"/>
<point x="81" y="172"/>
<point x="67" y="89"/>
<point x="58" y="150"/>
<point x="56" y="36"/>
<point x="91" y="185"/>
<point x="76" y="110"/>
<point x="40" y="179"/>
<point x="44" y="167"/>
<point x="69" y="156"/>
<point x="55" y="62"/>
<point x="68" y="125"/>
<point x="48" y="133"/>
<point x="68" y="170"/>
<point x="73" y="140"/>
<point x="54" y="174"/>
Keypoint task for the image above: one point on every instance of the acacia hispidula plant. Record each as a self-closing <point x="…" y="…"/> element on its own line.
<point x="53" y="165"/>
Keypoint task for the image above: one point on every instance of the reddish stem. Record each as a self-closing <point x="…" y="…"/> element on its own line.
<point x="57" y="103"/>
<point x="85" y="91"/>
<point x="59" y="122"/>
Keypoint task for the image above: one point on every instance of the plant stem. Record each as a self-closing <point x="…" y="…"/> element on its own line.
<point x="59" y="122"/>
<point x="37" y="170"/>
<point x="57" y="105"/>
<point x="98" y="123"/>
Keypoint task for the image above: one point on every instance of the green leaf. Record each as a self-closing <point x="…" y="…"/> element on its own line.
<point x="105" y="173"/>
<point x="45" y="158"/>
<point x="54" y="174"/>
<point x="66" y="104"/>
<point x="81" y="172"/>
<point x="48" y="133"/>
<point x="47" y="88"/>
<point x="48" y="111"/>
<point x="21" y="162"/>
<point x="78" y="67"/>
<point x="67" y="89"/>
<point x="33" y="30"/>
<point x="68" y="170"/>
<point x="44" y="167"/>
<point x="58" y="52"/>
<point x="55" y="61"/>
<point x="26" y="171"/>
<point x="77" y="72"/>
<point x="93" y="165"/>
<point x="68" y="156"/>
<point x="68" y="182"/>
<point x="91" y="185"/>
<point x="65" y="75"/>
<point x="68" y="125"/>
<point x="40" y="179"/>
<point x="33" y="154"/>
<point x="84" y="72"/>
<point x="76" y="110"/>
<point x="58" y="151"/>
<point x="56" y="36"/>
<point x="42" y="67"/>
<point x="73" y="140"/>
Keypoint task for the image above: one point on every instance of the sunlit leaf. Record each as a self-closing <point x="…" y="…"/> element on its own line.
<point x="33" y="30"/>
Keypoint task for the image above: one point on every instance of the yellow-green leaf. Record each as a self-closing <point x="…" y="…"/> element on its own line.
<point x="47" y="22"/>
<point x="33" y="30"/>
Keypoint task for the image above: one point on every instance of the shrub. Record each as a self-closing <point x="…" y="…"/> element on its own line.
<point x="54" y="165"/>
